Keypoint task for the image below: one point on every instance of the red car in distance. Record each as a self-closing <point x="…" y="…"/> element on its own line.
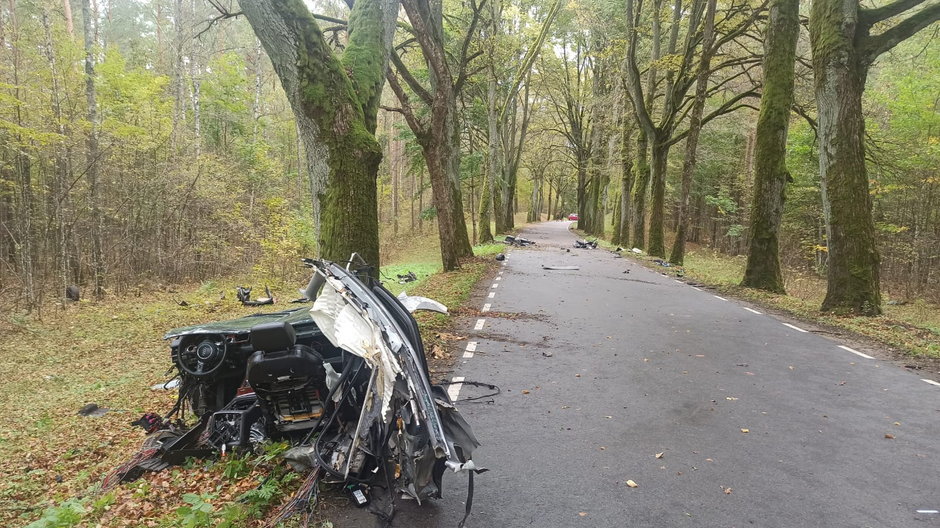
<point x="573" y="217"/>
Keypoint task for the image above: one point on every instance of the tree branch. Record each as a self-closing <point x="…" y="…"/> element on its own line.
<point x="872" y="16"/>
<point x="877" y="44"/>
<point x="410" y="80"/>
<point x="414" y="123"/>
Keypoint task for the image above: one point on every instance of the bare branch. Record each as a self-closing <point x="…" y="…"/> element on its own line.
<point x="413" y="83"/>
<point x="872" y="16"/>
<point x="875" y="45"/>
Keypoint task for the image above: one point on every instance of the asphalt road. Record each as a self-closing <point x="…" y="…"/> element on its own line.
<point x="604" y="368"/>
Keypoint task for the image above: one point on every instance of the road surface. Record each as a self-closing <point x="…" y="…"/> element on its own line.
<point x="755" y="420"/>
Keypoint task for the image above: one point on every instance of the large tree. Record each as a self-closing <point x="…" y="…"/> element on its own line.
<point x="770" y="169"/>
<point x="439" y="132"/>
<point x="335" y="99"/>
<point x="843" y="50"/>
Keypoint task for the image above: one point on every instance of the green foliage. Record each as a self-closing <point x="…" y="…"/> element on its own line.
<point x="69" y="513"/>
<point x="197" y="513"/>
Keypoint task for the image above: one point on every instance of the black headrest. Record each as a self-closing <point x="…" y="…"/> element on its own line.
<point x="278" y="335"/>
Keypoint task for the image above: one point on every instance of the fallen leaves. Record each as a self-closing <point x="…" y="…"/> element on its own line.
<point x="631" y="484"/>
<point x="659" y="455"/>
<point x="726" y="490"/>
<point x="889" y="436"/>
<point x="745" y="430"/>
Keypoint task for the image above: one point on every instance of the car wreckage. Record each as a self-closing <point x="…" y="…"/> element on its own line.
<point x="345" y="381"/>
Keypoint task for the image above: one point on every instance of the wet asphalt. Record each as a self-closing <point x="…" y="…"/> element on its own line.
<point x="605" y="368"/>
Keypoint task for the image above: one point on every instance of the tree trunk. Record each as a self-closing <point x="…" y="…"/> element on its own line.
<point x="770" y="173"/>
<point x="91" y="145"/>
<point x="853" y="284"/>
<point x="691" y="143"/>
<point x="335" y="102"/>
<point x="640" y="190"/>
<point x="660" y="155"/>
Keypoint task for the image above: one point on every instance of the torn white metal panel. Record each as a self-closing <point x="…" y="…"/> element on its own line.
<point x="348" y="328"/>
<point x="415" y="302"/>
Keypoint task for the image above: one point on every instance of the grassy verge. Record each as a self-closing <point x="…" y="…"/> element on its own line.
<point x="110" y="353"/>
<point x="912" y="328"/>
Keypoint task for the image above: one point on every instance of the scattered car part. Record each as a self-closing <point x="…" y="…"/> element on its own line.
<point x="244" y="296"/>
<point x="561" y="268"/>
<point x="406" y="278"/>
<point x="518" y="241"/>
<point x="586" y="244"/>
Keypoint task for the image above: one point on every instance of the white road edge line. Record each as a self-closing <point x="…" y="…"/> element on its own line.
<point x="499" y="278"/>
<point x="696" y="289"/>
<point x="471" y="346"/>
<point x="932" y="382"/>
<point x="486" y="308"/>
<point x="717" y="297"/>
<point x="495" y="285"/>
<point x="479" y="325"/>
<point x="454" y="390"/>
<point x="856" y="352"/>
<point x="797" y="328"/>
<point x="927" y="511"/>
<point x="752" y="310"/>
<point x="491" y="295"/>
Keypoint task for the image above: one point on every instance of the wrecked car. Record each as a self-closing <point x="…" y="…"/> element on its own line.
<point x="344" y="379"/>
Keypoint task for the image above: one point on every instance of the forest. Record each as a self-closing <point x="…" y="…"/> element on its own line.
<point x="154" y="154"/>
<point x="147" y="143"/>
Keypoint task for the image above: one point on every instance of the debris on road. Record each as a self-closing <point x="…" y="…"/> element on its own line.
<point x="637" y="251"/>
<point x="631" y="484"/>
<point x="500" y="257"/>
<point x="561" y="268"/>
<point x="586" y="244"/>
<point x="518" y="241"/>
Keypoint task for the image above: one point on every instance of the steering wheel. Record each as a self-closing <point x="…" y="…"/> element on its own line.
<point x="202" y="358"/>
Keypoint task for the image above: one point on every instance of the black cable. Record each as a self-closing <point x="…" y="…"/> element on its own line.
<point x="475" y="384"/>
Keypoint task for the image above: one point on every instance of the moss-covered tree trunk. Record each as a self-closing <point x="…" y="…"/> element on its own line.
<point x="770" y="170"/>
<point x="626" y="181"/>
<point x="641" y="183"/>
<point x="677" y="256"/>
<point x="659" y="152"/>
<point x="335" y="102"/>
<point x="495" y="159"/>
<point x="853" y="275"/>
<point x="843" y="50"/>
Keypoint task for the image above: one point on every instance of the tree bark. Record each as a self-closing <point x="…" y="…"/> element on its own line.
<point x="641" y="182"/>
<point x="335" y="102"/>
<point x="853" y="284"/>
<point x="691" y="142"/>
<point x="770" y="173"/>
<point x="91" y="145"/>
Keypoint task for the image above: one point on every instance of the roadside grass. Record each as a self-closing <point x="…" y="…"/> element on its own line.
<point x="111" y="353"/>
<point x="913" y="328"/>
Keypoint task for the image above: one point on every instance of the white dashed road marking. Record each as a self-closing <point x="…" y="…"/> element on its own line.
<point x="479" y="325"/>
<point x="717" y="297"/>
<point x="495" y="285"/>
<point x="797" y="328"/>
<point x="856" y="352"/>
<point x="932" y="382"/>
<point x="486" y="308"/>
<point x="752" y="310"/>
<point x="491" y="295"/>
<point x="499" y="278"/>
<point x="471" y="348"/>
<point x="454" y="390"/>
<point x="696" y="289"/>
